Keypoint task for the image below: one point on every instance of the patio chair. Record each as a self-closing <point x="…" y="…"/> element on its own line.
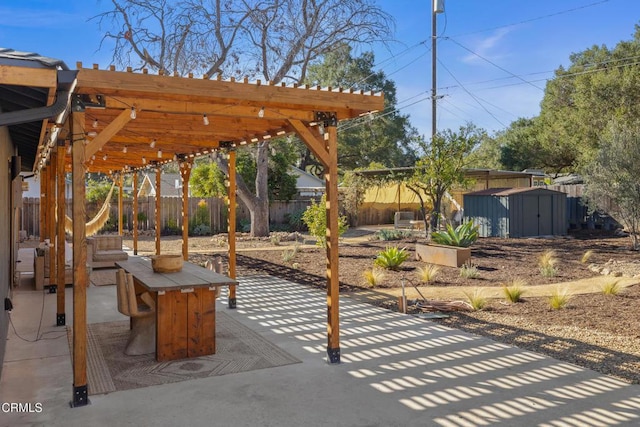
<point x="215" y="264"/>
<point x="142" y="339"/>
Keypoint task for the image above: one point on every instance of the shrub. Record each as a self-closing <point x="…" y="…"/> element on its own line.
<point x="514" y="291"/>
<point x="586" y="256"/>
<point x="289" y="254"/>
<point x="611" y="288"/>
<point x="559" y="299"/>
<point x="463" y="235"/>
<point x="391" y="258"/>
<point x="373" y="276"/>
<point x="274" y="239"/>
<point x="315" y="217"/>
<point x="547" y="262"/>
<point x="294" y="220"/>
<point x="469" y="271"/>
<point x="391" y="234"/>
<point x="428" y="273"/>
<point x="201" y="230"/>
<point x="476" y="300"/>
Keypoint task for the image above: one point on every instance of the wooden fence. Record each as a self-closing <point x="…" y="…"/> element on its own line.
<point x="213" y="213"/>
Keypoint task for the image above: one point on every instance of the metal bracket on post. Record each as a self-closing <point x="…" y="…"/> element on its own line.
<point x="60" y="319"/>
<point x="53" y="289"/>
<point x="232" y="303"/>
<point x="327" y="118"/>
<point x="333" y="354"/>
<point x="80" y="396"/>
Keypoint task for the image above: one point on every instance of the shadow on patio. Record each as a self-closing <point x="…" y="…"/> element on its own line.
<point x="397" y="370"/>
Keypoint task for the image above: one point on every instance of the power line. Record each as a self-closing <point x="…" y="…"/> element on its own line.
<point x="538" y="18"/>
<point x="471" y="95"/>
<point x="494" y="64"/>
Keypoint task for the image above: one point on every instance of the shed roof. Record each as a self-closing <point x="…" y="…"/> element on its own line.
<point x="510" y="191"/>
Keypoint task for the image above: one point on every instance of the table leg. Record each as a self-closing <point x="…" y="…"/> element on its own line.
<point x="171" y="325"/>
<point x="201" y="322"/>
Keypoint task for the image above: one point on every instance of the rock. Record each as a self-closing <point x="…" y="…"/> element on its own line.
<point x="616" y="274"/>
<point x="605" y="271"/>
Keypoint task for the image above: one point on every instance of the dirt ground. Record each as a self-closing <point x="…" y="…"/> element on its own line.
<point x="596" y="331"/>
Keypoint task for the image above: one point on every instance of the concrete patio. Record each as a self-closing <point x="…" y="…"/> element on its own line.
<point x="396" y="370"/>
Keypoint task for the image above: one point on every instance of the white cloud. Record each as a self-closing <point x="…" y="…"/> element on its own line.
<point x="486" y="47"/>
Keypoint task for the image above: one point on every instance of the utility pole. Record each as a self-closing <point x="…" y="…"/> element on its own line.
<point x="437" y="6"/>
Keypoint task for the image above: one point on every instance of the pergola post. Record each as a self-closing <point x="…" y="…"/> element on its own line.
<point x="231" y="220"/>
<point x="158" y="208"/>
<point x="333" y="284"/>
<point x="44" y="173"/>
<point x="135" y="213"/>
<point x="61" y="255"/>
<point x="120" y="196"/>
<point x="51" y="219"/>
<point x="325" y="148"/>
<point x="80" y="390"/>
<point x="185" y="173"/>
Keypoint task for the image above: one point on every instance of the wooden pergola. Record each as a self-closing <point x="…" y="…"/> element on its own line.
<point x="124" y="122"/>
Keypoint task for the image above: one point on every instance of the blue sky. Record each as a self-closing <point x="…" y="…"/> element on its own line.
<point x="482" y="46"/>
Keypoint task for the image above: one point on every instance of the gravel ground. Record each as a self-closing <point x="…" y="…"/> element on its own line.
<point x="594" y="331"/>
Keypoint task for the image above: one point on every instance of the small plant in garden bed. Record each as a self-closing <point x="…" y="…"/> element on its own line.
<point x="513" y="291"/>
<point x="476" y="300"/>
<point x="586" y="256"/>
<point x="315" y="218"/>
<point x="463" y="235"/>
<point x="547" y="263"/>
<point x="373" y="277"/>
<point x="391" y="258"/>
<point x="559" y="299"/>
<point x="428" y="273"/>
<point x="289" y="254"/>
<point x="611" y="288"/>
<point x="469" y="271"/>
<point x="388" y="234"/>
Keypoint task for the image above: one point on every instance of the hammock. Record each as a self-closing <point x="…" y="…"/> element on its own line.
<point x="98" y="221"/>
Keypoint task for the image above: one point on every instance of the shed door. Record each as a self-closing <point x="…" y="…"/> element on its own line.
<point x="537" y="215"/>
<point x="529" y="216"/>
<point x="545" y="217"/>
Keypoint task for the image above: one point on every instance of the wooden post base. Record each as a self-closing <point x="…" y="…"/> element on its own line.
<point x="333" y="355"/>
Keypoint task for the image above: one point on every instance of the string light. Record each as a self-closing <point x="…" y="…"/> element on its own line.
<point x="95" y="123"/>
<point x="153" y="143"/>
<point x="261" y="112"/>
<point x="133" y="114"/>
<point x="159" y="153"/>
<point x="205" y="120"/>
<point x="104" y="157"/>
<point x="144" y="160"/>
<point x="124" y="149"/>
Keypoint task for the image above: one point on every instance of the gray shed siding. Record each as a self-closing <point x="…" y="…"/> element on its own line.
<point x="517" y="213"/>
<point x="489" y="213"/>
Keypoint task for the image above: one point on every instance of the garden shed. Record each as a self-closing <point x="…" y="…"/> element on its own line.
<point x="517" y="212"/>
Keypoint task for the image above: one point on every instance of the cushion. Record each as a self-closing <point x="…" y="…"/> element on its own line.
<point x="109" y="256"/>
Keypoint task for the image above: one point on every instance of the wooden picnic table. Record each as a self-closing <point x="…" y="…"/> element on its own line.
<point x="185" y="306"/>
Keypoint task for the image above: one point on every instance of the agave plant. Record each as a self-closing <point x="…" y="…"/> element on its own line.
<point x="463" y="235"/>
<point x="391" y="258"/>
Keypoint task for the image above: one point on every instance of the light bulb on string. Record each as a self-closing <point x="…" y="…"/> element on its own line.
<point x="205" y="120"/>
<point x="261" y="112"/>
<point x="153" y="143"/>
<point x="133" y="114"/>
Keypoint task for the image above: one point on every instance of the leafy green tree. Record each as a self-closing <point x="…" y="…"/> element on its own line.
<point x="441" y="167"/>
<point x="487" y="155"/>
<point x="386" y="137"/>
<point x="611" y="178"/>
<point x="601" y="84"/>
<point x="207" y="180"/>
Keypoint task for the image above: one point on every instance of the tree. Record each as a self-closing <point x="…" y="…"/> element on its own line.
<point x="599" y="85"/>
<point x="275" y="40"/>
<point x="611" y="178"/>
<point x="207" y="180"/>
<point x="387" y="137"/>
<point x="441" y="167"/>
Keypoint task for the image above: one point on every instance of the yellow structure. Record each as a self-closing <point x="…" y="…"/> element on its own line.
<point x="381" y="202"/>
